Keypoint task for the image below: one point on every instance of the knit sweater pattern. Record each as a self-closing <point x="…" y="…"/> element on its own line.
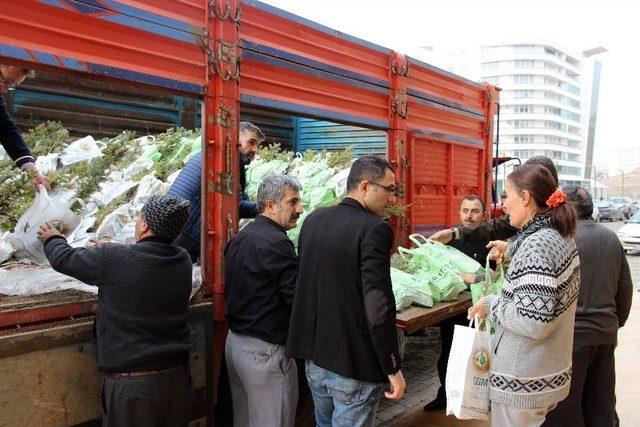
<point x="534" y="314"/>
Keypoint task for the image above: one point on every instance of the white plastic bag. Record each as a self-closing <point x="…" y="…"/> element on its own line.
<point x="6" y="248"/>
<point x="47" y="163"/>
<point x="149" y="186"/>
<point x="115" y="222"/>
<point x="468" y="371"/>
<point x="44" y="209"/>
<point x="81" y="150"/>
<point x="111" y="190"/>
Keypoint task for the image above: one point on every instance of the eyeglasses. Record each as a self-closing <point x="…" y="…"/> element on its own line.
<point x="393" y="189"/>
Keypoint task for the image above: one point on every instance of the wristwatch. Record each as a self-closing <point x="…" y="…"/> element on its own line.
<point x="455" y="233"/>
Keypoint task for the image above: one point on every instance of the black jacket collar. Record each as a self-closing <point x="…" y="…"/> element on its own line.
<point x="349" y="201"/>
<point x="263" y="220"/>
<point x="154" y="239"/>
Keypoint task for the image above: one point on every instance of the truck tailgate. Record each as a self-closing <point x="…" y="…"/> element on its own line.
<point x="416" y="318"/>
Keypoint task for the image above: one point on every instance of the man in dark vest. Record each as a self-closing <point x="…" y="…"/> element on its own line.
<point x="141" y="329"/>
<point x="261" y="267"/>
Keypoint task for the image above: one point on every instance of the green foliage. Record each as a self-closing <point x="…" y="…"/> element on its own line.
<point x="169" y="144"/>
<point x="340" y="159"/>
<point x="309" y="155"/>
<point x="401" y="264"/>
<point x="398" y="210"/>
<point x="47" y="137"/>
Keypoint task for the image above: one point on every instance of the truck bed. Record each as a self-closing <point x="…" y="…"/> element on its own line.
<point x="16" y="310"/>
<point x="415" y="318"/>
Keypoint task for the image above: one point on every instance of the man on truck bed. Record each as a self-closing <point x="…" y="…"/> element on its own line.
<point x="10" y="137"/>
<point x="495" y="229"/>
<point x="261" y="267"/>
<point x="187" y="185"/>
<point x="141" y="329"/>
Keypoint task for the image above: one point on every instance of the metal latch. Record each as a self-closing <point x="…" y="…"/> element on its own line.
<point x="399" y="104"/>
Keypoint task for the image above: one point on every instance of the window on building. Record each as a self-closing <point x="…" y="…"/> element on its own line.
<point x="571" y="102"/>
<point x="525" y="63"/>
<point x="518" y="124"/>
<point x="523" y="153"/>
<point x="523" y="78"/>
<point x="492" y="80"/>
<point x="524" y="48"/>
<point x="523" y="94"/>
<point x="522" y="139"/>
<point x="491" y="66"/>
<point x="522" y="109"/>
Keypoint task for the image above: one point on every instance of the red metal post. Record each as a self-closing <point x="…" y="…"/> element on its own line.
<point x="492" y="99"/>
<point x="397" y="144"/>
<point x="220" y="146"/>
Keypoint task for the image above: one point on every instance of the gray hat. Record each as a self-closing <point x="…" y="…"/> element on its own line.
<point x="166" y="215"/>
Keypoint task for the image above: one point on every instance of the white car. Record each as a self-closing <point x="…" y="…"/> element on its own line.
<point x="629" y="234"/>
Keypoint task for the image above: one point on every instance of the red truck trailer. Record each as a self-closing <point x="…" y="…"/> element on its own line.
<point x="232" y="55"/>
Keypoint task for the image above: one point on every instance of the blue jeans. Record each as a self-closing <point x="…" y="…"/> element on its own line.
<point x="342" y="401"/>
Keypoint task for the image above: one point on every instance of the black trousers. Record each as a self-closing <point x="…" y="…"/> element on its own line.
<point x="592" y="398"/>
<point x="446" y="336"/>
<point x="162" y="399"/>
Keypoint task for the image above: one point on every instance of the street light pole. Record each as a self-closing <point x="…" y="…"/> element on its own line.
<point x="622" y="179"/>
<point x="595" y="182"/>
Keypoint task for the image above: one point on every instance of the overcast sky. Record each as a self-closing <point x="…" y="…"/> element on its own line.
<point x="404" y="25"/>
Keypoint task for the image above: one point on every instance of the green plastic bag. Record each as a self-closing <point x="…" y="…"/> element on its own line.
<point x="436" y="250"/>
<point x="257" y="170"/>
<point x="408" y="290"/>
<point x="488" y="286"/>
<point x="319" y="197"/>
<point x="294" y="233"/>
<point x="442" y="277"/>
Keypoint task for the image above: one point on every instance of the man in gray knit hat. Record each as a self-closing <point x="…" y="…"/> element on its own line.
<point x="141" y="329"/>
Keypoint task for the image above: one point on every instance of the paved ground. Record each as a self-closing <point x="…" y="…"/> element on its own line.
<point x="422" y="380"/>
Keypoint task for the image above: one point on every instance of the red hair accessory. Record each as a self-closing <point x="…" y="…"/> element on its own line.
<point x="556" y="199"/>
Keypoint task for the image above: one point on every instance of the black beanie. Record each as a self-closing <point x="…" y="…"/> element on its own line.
<point x="166" y="216"/>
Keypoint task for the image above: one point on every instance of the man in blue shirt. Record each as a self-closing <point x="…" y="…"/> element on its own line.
<point x="187" y="186"/>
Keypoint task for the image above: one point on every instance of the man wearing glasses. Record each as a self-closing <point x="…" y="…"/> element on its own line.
<point x="10" y="137"/>
<point x="343" y="317"/>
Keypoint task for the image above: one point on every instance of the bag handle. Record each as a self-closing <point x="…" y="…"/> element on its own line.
<point x="403" y="251"/>
<point x="416" y="237"/>
<point x="487" y="272"/>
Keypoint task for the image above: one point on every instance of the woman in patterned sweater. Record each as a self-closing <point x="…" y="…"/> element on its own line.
<point x="531" y="367"/>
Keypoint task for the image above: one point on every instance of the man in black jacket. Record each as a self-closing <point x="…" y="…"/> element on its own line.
<point x="496" y="229"/>
<point x="260" y="275"/>
<point x="472" y="212"/>
<point x="141" y="326"/>
<point x="343" y="318"/>
<point x="604" y="303"/>
<point x="10" y="136"/>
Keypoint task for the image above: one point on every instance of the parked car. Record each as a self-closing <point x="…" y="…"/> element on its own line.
<point x="608" y="211"/>
<point x="628" y="206"/>
<point x="629" y="234"/>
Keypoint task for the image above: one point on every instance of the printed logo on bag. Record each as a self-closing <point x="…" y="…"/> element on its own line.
<point x="481" y="361"/>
